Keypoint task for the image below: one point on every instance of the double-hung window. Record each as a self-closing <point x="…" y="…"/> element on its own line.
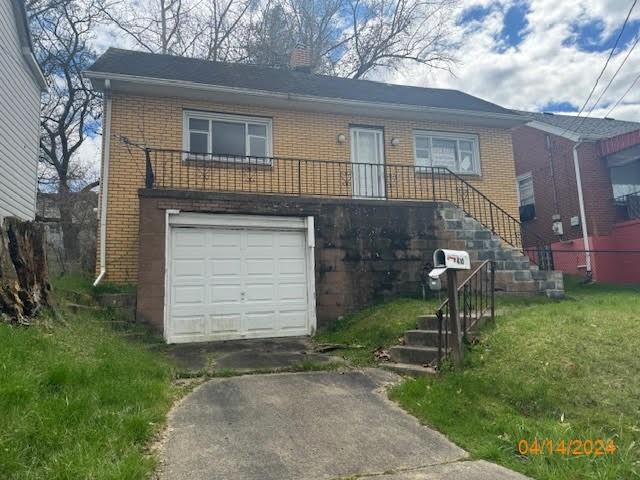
<point x="526" y="197"/>
<point x="458" y="152"/>
<point x="228" y="138"/>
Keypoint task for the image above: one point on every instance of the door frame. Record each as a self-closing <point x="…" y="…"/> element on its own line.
<point x="380" y="131"/>
<point x="178" y="219"/>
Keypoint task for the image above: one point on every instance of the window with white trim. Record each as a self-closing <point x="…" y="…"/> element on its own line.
<point x="526" y="197"/>
<point x="227" y="137"/>
<point x="456" y="151"/>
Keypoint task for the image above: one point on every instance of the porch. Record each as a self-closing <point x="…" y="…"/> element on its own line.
<point x="178" y="170"/>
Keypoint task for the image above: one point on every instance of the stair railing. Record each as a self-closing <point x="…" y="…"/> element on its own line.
<point x="476" y="301"/>
<point x="183" y="170"/>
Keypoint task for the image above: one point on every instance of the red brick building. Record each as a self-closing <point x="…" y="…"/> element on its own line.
<point x="579" y="192"/>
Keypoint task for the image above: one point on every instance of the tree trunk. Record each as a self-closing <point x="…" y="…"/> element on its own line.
<point x="24" y="281"/>
<point x="70" y="230"/>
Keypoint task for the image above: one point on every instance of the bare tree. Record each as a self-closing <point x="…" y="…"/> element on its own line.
<point x="153" y="25"/>
<point x="219" y="28"/>
<point x="389" y="33"/>
<point x="70" y="108"/>
<point x="351" y="38"/>
<point x="348" y="38"/>
<point x="198" y="28"/>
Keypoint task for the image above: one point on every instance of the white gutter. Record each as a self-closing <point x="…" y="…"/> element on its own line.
<point x="104" y="182"/>
<point x="182" y="84"/>
<point x="583" y="217"/>
<point x="35" y="68"/>
<point x="562" y="132"/>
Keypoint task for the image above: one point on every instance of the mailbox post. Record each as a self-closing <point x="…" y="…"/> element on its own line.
<point x="450" y="261"/>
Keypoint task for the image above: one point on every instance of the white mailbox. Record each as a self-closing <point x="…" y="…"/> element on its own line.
<point x="444" y="260"/>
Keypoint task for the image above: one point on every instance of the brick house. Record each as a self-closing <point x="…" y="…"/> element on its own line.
<point x="247" y="201"/>
<point x="606" y="154"/>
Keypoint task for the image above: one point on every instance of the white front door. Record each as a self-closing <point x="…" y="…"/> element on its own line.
<point x="227" y="283"/>
<point x="367" y="156"/>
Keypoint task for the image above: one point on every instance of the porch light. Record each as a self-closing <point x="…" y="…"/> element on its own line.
<point x="395" y="141"/>
<point x="341" y="138"/>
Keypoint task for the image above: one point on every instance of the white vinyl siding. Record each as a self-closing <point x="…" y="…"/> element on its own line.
<point x="229" y="138"/>
<point x="458" y="152"/>
<point x="19" y="123"/>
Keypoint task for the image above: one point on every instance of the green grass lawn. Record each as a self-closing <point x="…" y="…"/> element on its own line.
<point x="378" y="326"/>
<point x="78" y="399"/>
<point x="547" y="370"/>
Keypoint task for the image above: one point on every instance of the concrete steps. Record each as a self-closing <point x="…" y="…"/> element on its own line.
<point x="410" y="370"/>
<point x="515" y="274"/>
<point x="413" y="355"/>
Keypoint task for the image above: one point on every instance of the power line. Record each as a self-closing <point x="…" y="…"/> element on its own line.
<point x="623" y="95"/>
<point x="615" y="45"/>
<point x="613" y="77"/>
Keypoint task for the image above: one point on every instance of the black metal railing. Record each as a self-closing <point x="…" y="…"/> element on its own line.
<point x="629" y="204"/>
<point x="181" y="170"/>
<point x="476" y="301"/>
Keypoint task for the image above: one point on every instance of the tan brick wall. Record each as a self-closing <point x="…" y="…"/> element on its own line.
<point x="157" y="122"/>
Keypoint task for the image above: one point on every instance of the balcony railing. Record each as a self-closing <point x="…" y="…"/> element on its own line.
<point x="180" y="170"/>
<point x="629" y="205"/>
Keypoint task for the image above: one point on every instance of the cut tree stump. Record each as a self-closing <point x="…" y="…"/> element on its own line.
<point x="24" y="280"/>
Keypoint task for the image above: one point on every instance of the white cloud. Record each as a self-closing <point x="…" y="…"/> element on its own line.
<point x="543" y="68"/>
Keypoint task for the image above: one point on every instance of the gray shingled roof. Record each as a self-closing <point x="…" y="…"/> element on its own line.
<point x="591" y="127"/>
<point x="254" y="77"/>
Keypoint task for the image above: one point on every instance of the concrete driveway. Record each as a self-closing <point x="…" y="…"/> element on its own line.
<point x="321" y="425"/>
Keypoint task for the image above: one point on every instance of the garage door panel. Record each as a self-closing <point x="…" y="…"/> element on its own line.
<point x="234" y="283"/>
<point x="260" y="293"/>
<point x="293" y="319"/>
<point x="185" y="270"/>
<point x="224" y="323"/>
<point x="288" y="267"/>
<point x="225" y="294"/>
<point x="226" y="266"/>
<point x="293" y="291"/>
<point x="189" y="237"/>
<point x="188" y="325"/>
<point x="188" y="295"/>
<point x="260" y="239"/>
<point x="263" y="266"/>
<point x="260" y="321"/>
<point x="224" y="238"/>
<point x="290" y="239"/>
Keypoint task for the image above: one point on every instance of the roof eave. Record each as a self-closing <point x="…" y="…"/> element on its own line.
<point x="27" y="46"/>
<point x="98" y="78"/>
<point x="562" y="132"/>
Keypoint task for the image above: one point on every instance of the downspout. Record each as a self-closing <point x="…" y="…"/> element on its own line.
<point x="104" y="181"/>
<point x="583" y="216"/>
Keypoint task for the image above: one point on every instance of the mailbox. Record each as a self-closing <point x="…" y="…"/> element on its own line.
<point x="444" y="260"/>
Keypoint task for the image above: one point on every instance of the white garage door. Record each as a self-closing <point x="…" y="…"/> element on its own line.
<point x="227" y="283"/>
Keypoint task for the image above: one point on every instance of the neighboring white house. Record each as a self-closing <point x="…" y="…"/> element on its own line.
<point x="21" y="83"/>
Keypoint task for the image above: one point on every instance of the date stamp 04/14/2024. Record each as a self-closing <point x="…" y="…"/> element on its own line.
<point x="567" y="448"/>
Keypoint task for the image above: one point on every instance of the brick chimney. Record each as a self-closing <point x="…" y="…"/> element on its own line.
<point x="300" y="59"/>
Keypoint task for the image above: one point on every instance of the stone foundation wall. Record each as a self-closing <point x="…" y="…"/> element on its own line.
<point x="365" y="250"/>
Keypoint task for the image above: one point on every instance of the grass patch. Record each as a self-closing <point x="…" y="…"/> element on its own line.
<point x="78" y="398"/>
<point x="375" y="327"/>
<point x="68" y="284"/>
<point x="546" y="370"/>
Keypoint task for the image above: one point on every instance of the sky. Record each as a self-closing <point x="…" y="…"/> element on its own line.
<point x="539" y="55"/>
<point x="542" y="55"/>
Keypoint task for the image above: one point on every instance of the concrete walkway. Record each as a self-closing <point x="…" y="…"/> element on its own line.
<point x="321" y="425"/>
